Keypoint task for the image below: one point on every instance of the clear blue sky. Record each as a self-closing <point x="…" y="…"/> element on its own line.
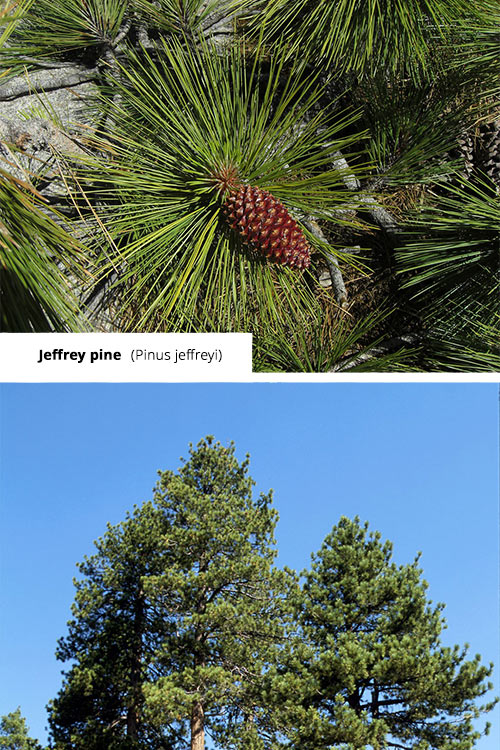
<point x="418" y="461"/>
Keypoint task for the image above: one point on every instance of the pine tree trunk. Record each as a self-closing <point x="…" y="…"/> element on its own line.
<point x="197" y="712"/>
<point x="133" y="713"/>
<point x="197" y="727"/>
<point x="132" y="723"/>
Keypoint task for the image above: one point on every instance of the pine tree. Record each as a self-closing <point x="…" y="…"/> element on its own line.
<point x="176" y="618"/>
<point x="14" y="734"/>
<point x="371" y="669"/>
<point x="110" y="641"/>
<point x="223" y="597"/>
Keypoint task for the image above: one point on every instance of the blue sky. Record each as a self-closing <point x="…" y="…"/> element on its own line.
<point x="418" y="461"/>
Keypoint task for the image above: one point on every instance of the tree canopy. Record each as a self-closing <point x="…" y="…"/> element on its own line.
<point x="176" y="616"/>
<point x="371" y="667"/>
<point x="184" y="628"/>
<point x="14" y="733"/>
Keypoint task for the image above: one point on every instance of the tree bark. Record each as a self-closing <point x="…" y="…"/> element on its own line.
<point x="197" y="727"/>
<point x="133" y="713"/>
<point x="332" y="262"/>
<point x="58" y="77"/>
<point x="197" y="712"/>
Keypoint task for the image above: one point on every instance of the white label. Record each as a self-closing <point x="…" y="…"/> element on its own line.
<point x="125" y="357"/>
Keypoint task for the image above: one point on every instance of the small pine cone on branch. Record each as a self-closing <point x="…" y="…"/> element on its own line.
<point x="265" y="224"/>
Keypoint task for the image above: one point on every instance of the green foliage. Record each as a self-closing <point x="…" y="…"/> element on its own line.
<point x="365" y="36"/>
<point x="111" y="639"/>
<point x="372" y="670"/>
<point x="471" y="350"/>
<point x="224" y="596"/>
<point x="11" y="13"/>
<point x="184" y="119"/>
<point x="454" y="268"/>
<point x="341" y="346"/>
<point x="186" y="17"/>
<point x="14" y="733"/>
<point x="56" y="26"/>
<point x="182" y="626"/>
<point x="413" y="126"/>
<point x="95" y="29"/>
<point x="37" y="256"/>
<point x="337" y="109"/>
<point x="180" y="607"/>
<point x="479" y="49"/>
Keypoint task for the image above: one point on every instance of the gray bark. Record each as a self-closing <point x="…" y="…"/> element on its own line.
<point x="43" y="81"/>
<point x="336" y="277"/>
<point x="378" y="213"/>
<point x="387" y="347"/>
<point x="37" y="134"/>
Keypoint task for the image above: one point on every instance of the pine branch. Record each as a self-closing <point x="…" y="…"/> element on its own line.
<point x="378" y="213"/>
<point x="388" y="347"/>
<point x="332" y="262"/>
<point x="52" y="79"/>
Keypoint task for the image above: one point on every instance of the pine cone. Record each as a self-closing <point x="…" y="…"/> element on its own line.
<point x="265" y="224"/>
<point x="492" y="147"/>
<point x="481" y="152"/>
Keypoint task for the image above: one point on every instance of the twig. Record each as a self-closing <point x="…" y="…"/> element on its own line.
<point x="381" y="215"/>
<point x="124" y="30"/>
<point x="388" y="347"/>
<point x="332" y="262"/>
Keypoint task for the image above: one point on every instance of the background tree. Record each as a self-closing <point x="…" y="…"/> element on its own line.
<point x="111" y="640"/>
<point x="372" y="670"/>
<point x="14" y="733"/>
